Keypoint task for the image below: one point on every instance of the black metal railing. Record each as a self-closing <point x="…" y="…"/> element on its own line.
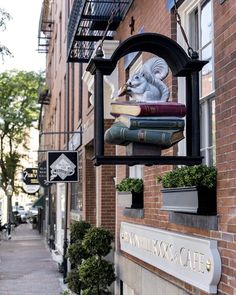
<point x="87" y="23"/>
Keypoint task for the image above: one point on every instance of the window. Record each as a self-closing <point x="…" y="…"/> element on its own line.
<point x="197" y="19"/>
<point x="76" y="191"/>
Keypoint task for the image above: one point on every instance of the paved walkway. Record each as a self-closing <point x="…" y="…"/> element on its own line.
<point x="26" y="266"/>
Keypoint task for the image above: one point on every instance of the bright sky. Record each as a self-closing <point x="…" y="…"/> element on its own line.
<point x="21" y="35"/>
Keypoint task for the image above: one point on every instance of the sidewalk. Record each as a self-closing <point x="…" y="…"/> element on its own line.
<point x="26" y="266"/>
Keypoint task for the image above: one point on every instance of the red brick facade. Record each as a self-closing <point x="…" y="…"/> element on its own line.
<point x="99" y="194"/>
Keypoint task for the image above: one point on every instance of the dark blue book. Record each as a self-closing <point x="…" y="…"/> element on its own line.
<point x="121" y="135"/>
<point x="133" y="122"/>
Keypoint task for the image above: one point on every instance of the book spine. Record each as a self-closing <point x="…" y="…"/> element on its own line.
<point x="162" y="110"/>
<point x="122" y="136"/>
<point x="135" y="123"/>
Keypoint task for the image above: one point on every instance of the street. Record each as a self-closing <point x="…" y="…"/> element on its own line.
<point x="26" y="266"/>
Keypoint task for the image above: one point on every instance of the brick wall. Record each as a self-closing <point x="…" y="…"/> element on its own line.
<point x="89" y="191"/>
<point x="106" y="192"/>
<point x="225" y="73"/>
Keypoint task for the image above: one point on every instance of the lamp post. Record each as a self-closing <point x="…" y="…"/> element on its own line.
<point x="9" y="192"/>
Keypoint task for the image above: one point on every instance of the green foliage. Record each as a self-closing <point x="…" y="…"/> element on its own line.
<point x="19" y="101"/>
<point x="19" y="111"/>
<point x="74" y="283"/>
<point x="11" y="162"/>
<point x="76" y="253"/>
<point x="78" y="229"/>
<point x="130" y="184"/>
<point x="91" y="272"/>
<point x="198" y="175"/>
<point x="97" y="274"/>
<point x="4" y="17"/>
<point x="97" y="241"/>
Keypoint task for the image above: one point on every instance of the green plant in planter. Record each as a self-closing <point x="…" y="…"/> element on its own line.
<point x="74" y="282"/>
<point x="130" y="185"/>
<point x="97" y="241"/>
<point x="96" y="273"/>
<point x="198" y="175"/>
<point x="76" y="253"/>
<point x="190" y="189"/>
<point x="135" y="187"/>
<point x="78" y="229"/>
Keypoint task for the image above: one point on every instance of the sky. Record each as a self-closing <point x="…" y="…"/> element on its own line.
<point x="21" y="35"/>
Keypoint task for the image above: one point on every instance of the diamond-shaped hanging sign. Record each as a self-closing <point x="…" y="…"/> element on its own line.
<point x="62" y="166"/>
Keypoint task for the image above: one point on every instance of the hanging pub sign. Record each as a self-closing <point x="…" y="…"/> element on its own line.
<point x="62" y="166"/>
<point x="42" y="174"/>
<point x="150" y="121"/>
<point x="31" y="188"/>
<point x="29" y="176"/>
<point x="30" y="180"/>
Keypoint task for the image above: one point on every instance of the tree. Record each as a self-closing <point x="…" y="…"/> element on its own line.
<point x="96" y="273"/>
<point x="91" y="273"/>
<point x="4" y="17"/>
<point x="18" y="112"/>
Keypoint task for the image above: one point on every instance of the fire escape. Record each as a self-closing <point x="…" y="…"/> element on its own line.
<point x="87" y="23"/>
<point x="45" y="27"/>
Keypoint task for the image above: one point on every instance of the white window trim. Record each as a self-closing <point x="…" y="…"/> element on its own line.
<point x="184" y="11"/>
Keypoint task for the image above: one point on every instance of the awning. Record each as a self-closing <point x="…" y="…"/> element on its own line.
<point x="40" y="203"/>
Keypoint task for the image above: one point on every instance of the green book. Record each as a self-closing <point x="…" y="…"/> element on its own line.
<point x="133" y="122"/>
<point x="121" y="135"/>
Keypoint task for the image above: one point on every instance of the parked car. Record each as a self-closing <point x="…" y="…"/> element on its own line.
<point x="23" y="216"/>
<point x="20" y="214"/>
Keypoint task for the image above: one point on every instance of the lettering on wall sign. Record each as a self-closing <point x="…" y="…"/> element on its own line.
<point x="193" y="260"/>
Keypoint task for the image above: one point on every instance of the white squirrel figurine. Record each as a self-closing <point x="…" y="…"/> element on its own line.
<point x="146" y="85"/>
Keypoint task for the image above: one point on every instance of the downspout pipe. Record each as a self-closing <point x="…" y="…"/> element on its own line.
<point x="65" y="245"/>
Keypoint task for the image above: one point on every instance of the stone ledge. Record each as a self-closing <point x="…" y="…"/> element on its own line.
<point x="192" y="220"/>
<point x="134" y="213"/>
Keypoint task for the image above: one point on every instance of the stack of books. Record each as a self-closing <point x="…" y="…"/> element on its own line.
<point x="159" y="123"/>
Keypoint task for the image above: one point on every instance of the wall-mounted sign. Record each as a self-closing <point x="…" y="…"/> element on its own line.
<point x="30" y="176"/>
<point x="193" y="260"/>
<point x="42" y="174"/>
<point x="62" y="166"/>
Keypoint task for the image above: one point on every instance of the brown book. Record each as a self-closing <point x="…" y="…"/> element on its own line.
<point x="148" y="109"/>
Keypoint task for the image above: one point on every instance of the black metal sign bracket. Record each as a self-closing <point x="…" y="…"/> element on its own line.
<point x="181" y="66"/>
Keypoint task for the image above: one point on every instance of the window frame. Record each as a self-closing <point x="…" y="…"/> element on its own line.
<point x="185" y="11"/>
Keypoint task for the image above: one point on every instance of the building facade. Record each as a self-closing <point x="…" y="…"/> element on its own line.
<point x="156" y="251"/>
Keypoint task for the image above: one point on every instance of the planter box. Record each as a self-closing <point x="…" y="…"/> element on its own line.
<point x="130" y="200"/>
<point x="200" y="200"/>
<point x="124" y="199"/>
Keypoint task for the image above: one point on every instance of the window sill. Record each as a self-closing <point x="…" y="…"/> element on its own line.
<point x="133" y="213"/>
<point x="192" y="220"/>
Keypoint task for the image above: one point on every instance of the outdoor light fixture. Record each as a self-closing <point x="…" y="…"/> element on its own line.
<point x="9" y="192"/>
<point x="181" y="65"/>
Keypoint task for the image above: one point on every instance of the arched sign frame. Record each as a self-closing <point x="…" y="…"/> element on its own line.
<point x="181" y="66"/>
